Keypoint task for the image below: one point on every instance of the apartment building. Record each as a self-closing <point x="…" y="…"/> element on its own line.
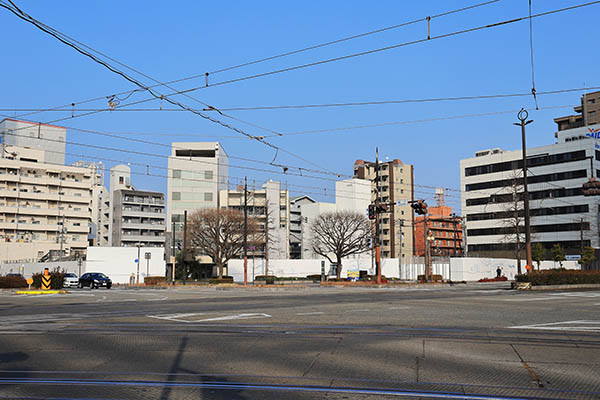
<point x="45" y="209"/>
<point x="396" y="188"/>
<point x="50" y="139"/>
<point x="297" y="225"/>
<point x="588" y="113"/>
<point x="271" y="207"/>
<point x="137" y="217"/>
<point x="98" y="235"/>
<point x="492" y="187"/>
<point x="198" y="171"/>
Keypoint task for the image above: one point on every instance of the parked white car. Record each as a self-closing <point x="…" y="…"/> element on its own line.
<point x="71" y="280"/>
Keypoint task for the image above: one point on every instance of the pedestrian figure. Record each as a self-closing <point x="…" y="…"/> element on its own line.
<point x="498" y="272"/>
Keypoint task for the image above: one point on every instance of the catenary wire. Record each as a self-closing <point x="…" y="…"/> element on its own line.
<point x="156" y="95"/>
<point x="130" y="92"/>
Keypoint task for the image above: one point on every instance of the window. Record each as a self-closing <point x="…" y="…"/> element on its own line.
<point x="176" y="195"/>
<point x="592" y="114"/>
<point x="208" y="196"/>
<point x="177" y="173"/>
<point x="121" y="180"/>
<point x="208" y="174"/>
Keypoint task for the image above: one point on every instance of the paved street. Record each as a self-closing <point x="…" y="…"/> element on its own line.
<point x="464" y="341"/>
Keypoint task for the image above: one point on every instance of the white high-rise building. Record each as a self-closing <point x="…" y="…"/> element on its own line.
<point x="198" y="171"/>
<point x="559" y="211"/>
<point x="49" y="138"/>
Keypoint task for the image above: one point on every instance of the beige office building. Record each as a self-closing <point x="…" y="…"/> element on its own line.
<point x="197" y="172"/>
<point x="396" y="186"/>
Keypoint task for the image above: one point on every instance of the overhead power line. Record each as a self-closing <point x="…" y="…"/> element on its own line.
<point x="301" y="50"/>
<point x="314" y="105"/>
<point x="51" y="31"/>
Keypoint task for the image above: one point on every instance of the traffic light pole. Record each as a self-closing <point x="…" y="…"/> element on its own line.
<point x="377" y="241"/>
<point x="523" y="121"/>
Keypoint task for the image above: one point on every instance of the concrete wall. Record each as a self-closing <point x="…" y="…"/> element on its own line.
<point x="456" y="269"/>
<point x="119" y="262"/>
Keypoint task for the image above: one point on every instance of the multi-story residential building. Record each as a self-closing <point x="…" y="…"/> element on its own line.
<point x="491" y="187"/>
<point x="271" y="207"/>
<point x="588" y="113"/>
<point x="49" y="138"/>
<point x="198" y="171"/>
<point x="396" y="187"/>
<point x="444" y="229"/>
<point x="137" y="217"/>
<point x="98" y="235"/>
<point x="297" y="225"/>
<point x="45" y="209"/>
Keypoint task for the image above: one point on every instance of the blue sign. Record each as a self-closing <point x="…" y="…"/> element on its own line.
<point x="136" y="261"/>
<point x="594" y="133"/>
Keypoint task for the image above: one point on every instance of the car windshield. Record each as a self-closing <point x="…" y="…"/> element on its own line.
<point x="100" y="276"/>
<point x="70" y="275"/>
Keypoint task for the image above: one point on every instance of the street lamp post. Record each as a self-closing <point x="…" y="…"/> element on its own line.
<point x="523" y="115"/>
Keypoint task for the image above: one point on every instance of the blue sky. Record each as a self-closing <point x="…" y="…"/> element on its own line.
<point x="171" y="40"/>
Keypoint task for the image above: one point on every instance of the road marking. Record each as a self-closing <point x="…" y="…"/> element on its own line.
<point x="399" y="308"/>
<point x="187" y="320"/>
<point x="580" y="325"/>
<point x="310" y="313"/>
<point x="577" y="294"/>
<point x="362" y="309"/>
<point x="524" y="298"/>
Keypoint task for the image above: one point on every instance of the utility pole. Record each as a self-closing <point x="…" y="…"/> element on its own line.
<point x="400" y="224"/>
<point x="246" y="231"/>
<point x="173" y="253"/>
<point x="62" y="238"/>
<point x="523" y="115"/>
<point x="183" y="256"/>
<point x="137" y="279"/>
<point x="581" y="236"/>
<point x="454" y="231"/>
<point x="377" y="241"/>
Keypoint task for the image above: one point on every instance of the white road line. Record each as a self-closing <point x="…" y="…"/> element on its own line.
<point x="579" y="325"/>
<point x="362" y="309"/>
<point x="399" y="308"/>
<point x="232" y="317"/>
<point x="310" y="313"/>
<point x="525" y="298"/>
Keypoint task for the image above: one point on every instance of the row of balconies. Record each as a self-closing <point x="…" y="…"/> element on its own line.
<point x="28" y="225"/>
<point x="45" y="181"/>
<point x="53" y="212"/>
<point x="66" y="198"/>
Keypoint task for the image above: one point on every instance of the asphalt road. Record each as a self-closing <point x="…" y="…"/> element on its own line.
<point x="477" y="341"/>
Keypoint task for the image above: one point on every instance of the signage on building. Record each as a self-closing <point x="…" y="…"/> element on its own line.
<point x="594" y="133"/>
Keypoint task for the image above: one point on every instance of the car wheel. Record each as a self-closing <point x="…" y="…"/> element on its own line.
<point x="108" y="286"/>
<point x="79" y="286"/>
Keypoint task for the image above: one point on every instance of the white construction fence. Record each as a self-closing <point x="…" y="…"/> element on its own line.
<point x="455" y="269"/>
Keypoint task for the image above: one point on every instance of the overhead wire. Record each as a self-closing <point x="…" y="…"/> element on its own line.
<point x="533" y="92"/>
<point x="203" y="75"/>
<point x="26" y="17"/>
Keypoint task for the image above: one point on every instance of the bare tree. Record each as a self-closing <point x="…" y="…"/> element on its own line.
<point x="341" y="233"/>
<point x="219" y="234"/>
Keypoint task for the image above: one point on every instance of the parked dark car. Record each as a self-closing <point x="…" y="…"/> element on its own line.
<point x="94" y="280"/>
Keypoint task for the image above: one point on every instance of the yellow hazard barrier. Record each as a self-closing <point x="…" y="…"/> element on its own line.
<point x="42" y="292"/>
<point x="46" y="280"/>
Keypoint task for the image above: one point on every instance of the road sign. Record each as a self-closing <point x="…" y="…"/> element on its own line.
<point x="148" y="255"/>
<point x="135" y="261"/>
<point x="401" y="203"/>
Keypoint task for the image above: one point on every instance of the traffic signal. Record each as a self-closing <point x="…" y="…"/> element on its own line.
<point x="420" y="207"/>
<point x="179" y="246"/>
<point x="371" y="211"/>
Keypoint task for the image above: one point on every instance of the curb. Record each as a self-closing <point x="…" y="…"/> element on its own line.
<point x="42" y="292"/>
<point x="563" y="287"/>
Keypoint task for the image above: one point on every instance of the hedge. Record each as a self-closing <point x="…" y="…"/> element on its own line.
<point x="225" y="279"/>
<point x="559" y="277"/>
<point x="12" y="282"/>
<point x="154" y="280"/>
